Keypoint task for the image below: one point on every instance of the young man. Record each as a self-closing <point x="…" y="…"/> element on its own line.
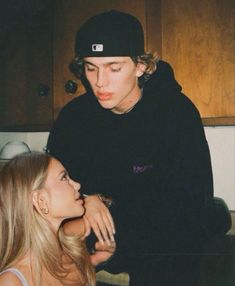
<point x="135" y="137"/>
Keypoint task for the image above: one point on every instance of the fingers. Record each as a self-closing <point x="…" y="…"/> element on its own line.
<point x="97" y="229"/>
<point x="108" y="221"/>
<point x="99" y="219"/>
<point x="104" y="229"/>
<point x="105" y="247"/>
<point x="111" y="224"/>
<point x="102" y="252"/>
<point x="103" y="226"/>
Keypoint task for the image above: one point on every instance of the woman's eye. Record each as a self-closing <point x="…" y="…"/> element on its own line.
<point x="65" y="177"/>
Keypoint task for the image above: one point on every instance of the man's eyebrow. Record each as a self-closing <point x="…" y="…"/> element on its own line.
<point x="89" y="63"/>
<point x="106" y="64"/>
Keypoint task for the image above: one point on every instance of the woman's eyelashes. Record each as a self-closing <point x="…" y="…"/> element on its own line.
<point x="65" y="176"/>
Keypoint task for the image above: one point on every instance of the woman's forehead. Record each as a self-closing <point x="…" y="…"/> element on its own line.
<point x="55" y="167"/>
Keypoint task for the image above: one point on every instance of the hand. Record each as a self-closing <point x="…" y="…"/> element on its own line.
<point x="78" y="226"/>
<point x="102" y="253"/>
<point x="100" y="219"/>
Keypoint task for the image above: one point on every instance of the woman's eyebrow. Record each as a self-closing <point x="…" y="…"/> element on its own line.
<point x="62" y="172"/>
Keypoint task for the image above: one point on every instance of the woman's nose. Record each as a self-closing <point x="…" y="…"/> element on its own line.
<point x="76" y="185"/>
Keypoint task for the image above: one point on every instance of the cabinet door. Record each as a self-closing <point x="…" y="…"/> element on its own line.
<point x="26" y="74"/>
<point x="198" y="40"/>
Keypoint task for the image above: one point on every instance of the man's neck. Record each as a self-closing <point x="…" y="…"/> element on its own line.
<point x="130" y="104"/>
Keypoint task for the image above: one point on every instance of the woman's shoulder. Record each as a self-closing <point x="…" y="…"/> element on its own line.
<point x="9" y="279"/>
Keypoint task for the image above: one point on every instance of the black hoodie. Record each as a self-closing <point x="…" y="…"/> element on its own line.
<point x="154" y="161"/>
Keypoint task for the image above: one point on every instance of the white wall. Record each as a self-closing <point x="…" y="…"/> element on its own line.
<point x="35" y="140"/>
<point x="221" y="141"/>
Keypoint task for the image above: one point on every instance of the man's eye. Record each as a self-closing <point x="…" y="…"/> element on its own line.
<point x="115" y="68"/>
<point x="88" y="68"/>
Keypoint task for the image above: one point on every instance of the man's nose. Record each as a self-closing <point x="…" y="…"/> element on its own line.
<point x="102" y="79"/>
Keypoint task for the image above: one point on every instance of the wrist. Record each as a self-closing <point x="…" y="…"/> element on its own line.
<point x="107" y="201"/>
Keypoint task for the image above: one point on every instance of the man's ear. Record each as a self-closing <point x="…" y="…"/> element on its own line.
<point x="40" y="202"/>
<point x="140" y="69"/>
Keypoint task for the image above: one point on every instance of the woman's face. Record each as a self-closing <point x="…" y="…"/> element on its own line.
<point x="61" y="194"/>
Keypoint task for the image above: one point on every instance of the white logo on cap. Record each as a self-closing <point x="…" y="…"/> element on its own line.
<point x="97" y="48"/>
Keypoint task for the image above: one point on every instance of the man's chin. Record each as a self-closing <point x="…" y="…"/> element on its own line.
<point x="106" y="105"/>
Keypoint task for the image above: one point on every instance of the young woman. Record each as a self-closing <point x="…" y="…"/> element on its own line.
<point x="36" y="197"/>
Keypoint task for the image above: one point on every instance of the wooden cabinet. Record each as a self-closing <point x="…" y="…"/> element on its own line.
<point x="195" y="37"/>
<point x="26" y="102"/>
<point x="198" y="39"/>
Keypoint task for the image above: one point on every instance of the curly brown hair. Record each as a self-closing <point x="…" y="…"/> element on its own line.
<point x="148" y="59"/>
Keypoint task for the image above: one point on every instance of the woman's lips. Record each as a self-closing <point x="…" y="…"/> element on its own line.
<point x="104" y="96"/>
<point x="80" y="201"/>
<point x="78" y="197"/>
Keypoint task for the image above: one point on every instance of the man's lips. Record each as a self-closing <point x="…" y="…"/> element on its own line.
<point x="104" y="95"/>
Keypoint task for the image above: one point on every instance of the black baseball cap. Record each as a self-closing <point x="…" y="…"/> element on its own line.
<point x="108" y="34"/>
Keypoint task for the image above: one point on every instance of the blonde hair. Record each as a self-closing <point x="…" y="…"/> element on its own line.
<point x="23" y="230"/>
<point x="148" y="59"/>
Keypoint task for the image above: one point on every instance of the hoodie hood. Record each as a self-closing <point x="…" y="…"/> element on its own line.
<point x="163" y="80"/>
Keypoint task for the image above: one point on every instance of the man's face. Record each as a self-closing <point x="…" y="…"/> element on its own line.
<point x="114" y="81"/>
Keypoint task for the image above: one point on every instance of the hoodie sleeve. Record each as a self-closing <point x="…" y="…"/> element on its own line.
<point x="190" y="177"/>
